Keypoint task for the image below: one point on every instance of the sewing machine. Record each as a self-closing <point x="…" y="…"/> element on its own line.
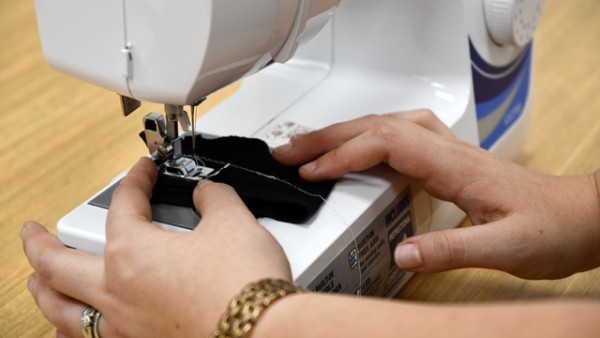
<point x="302" y="65"/>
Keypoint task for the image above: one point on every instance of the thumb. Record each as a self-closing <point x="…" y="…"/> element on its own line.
<point x="219" y="204"/>
<point x="492" y="246"/>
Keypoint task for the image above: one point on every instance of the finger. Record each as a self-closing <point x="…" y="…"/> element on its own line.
<point x="61" y="311"/>
<point x="428" y="120"/>
<point x="64" y="313"/>
<point x="409" y="149"/>
<point x="130" y="206"/>
<point x="68" y="271"/>
<point x="492" y="246"/>
<point x="357" y="154"/>
<point x="219" y="201"/>
<point x="443" y="166"/>
<point x="309" y="146"/>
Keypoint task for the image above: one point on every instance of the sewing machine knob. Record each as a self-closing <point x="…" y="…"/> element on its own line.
<point x="512" y="22"/>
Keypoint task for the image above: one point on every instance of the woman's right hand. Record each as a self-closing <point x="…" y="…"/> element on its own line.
<point x="530" y="224"/>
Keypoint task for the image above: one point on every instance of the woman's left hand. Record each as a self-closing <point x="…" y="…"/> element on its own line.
<point x="152" y="282"/>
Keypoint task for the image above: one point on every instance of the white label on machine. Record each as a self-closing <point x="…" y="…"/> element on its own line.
<point x="380" y="276"/>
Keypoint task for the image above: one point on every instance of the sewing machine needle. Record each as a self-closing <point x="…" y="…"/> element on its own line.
<point x="193" y="108"/>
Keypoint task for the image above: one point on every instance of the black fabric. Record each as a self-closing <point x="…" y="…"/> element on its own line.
<point x="264" y="196"/>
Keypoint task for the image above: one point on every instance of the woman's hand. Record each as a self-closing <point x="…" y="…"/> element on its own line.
<point x="536" y="225"/>
<point x="152" y="282"/>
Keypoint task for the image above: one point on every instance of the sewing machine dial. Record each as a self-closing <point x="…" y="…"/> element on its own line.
<point x="512" y="22"/>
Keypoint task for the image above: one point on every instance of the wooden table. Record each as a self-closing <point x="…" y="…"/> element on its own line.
<point x="63" y="140"/>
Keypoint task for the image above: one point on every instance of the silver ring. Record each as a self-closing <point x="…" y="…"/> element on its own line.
<point x="89" y="322"/>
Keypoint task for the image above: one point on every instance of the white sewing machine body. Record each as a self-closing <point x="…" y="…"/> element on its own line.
<point x="371" y="57"/>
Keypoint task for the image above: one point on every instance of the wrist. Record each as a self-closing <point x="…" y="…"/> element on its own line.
<point x="282" y="318"/>
<point x="592" y="221"/>
<point x="596" y="176"/>
<point x="247" y="307"/>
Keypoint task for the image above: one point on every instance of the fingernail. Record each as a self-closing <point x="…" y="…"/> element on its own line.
<point x="407" y="256"/>
<point x="31" y="282"/>
<point x="309" y="167"/>
<point x="24" y="228"/>
<point x="203" y="182"/>
<point x="27" y="226"/>
<point x="283" y="148"/>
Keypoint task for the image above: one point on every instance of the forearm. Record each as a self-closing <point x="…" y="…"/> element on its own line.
<point x="319" y="315"/>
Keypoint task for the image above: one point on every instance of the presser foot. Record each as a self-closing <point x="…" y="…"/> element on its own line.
<point x="186" y="168"/>
<point x="165" y="145"/>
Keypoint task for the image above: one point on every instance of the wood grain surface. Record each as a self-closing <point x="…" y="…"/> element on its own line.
<point x="61" y="140"/>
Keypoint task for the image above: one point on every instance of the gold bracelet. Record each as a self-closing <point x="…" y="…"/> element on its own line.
<point x="245" y="309"/>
